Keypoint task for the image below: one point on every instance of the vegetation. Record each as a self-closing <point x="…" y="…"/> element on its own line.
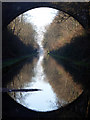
<point x="67" y="42"/>
<point x="66" y="38"/>
<point x="18" y="39"/>
<point x="23" y="30"/>
<point x="61" y="31"/>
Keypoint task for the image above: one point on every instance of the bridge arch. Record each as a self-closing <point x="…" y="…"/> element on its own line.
<point x="79" y="11"/>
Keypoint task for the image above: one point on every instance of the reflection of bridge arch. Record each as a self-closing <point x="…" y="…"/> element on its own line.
<point x="79" y="11"/>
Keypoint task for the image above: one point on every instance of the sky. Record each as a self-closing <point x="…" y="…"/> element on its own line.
<point x="40" y="17"/>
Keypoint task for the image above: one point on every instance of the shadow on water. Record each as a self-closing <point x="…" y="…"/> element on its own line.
<point x="16" y="75"/>
<point x="74" y="109"/>
<point x="14" y="49"/>
<point x="23" y="71"/>
<point x="76" y="59"/>
<point x="14" y="70"/>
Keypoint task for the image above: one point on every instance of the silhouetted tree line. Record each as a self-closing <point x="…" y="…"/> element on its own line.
<point x="61" y="31"/>
<point x="68" y="43"/>
<point x="66" y="37"/>
<point x="78" y="49"/>
<point x="18" y="39"/>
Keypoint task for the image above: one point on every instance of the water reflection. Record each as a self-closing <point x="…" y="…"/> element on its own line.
<point x="44" y="100"/>
<point x="57" y="86"/>
<point x="61" y="80"/>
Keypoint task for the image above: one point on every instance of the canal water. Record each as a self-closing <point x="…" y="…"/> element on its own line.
<point x="57" y="86"/>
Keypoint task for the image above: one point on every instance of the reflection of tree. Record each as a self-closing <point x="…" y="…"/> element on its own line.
<point x="61" y="81"/>
<point x="21" y="79"/>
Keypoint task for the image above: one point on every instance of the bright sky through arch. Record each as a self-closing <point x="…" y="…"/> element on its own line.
<point x="40" y="16"/>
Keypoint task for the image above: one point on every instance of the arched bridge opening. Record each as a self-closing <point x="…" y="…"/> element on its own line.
<point x="73" y="58"/>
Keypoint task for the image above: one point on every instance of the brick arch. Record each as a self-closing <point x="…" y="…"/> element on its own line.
<point x="80" y="11"/>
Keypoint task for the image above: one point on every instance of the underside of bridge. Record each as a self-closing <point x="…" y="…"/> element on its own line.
<point x="80" y="11"/>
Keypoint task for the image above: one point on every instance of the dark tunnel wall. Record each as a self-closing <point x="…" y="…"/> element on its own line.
<point x="80" y="11"/>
